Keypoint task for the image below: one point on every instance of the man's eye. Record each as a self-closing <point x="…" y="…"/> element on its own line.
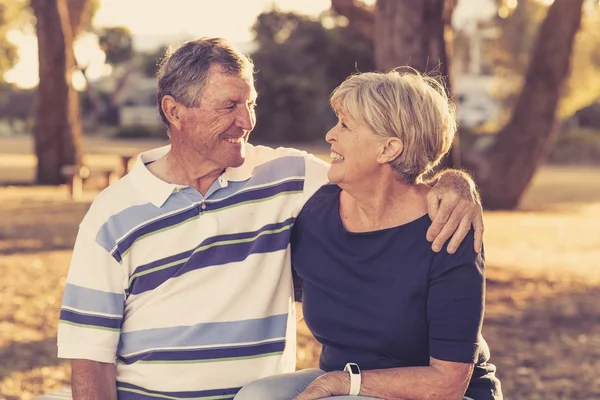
<point x="231" y="107"/>
<point x="343" y="125"/>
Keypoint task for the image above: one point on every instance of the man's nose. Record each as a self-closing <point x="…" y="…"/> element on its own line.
<point x="246" y="118"/>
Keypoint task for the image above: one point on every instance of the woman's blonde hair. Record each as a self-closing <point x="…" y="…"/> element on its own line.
<point x="404" y="104"/>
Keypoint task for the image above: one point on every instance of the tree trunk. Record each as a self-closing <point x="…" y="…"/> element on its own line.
<point x="526" y="140"/>
<point x="58" y="125"/>
<point x="417" y="34"/>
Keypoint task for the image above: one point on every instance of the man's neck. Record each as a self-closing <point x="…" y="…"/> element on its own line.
<point x="183" y="168"/>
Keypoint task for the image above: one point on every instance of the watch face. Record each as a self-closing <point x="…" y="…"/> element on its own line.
<point x="354" y="369"/>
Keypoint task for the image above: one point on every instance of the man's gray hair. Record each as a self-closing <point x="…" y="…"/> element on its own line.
<point x="183" y="71"/>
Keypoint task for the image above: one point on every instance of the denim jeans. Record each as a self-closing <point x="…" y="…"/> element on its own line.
<point x="288" y="386"/>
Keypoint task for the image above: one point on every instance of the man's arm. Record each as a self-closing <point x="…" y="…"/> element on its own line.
<point x="92" y="380"/>
<point x="454" y="206"/>
<point x="91" y="314"/>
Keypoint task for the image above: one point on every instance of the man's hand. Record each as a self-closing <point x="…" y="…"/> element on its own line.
<point x="454" y="205"/>
<point x="331" y="384"/>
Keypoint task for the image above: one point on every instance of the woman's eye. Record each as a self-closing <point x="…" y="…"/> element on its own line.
<point x="344" y="125"/>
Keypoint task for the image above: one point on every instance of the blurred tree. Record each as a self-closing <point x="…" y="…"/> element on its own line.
<point x="511" y="52"/>
<point x="150" y="61"/>
<point x="58" y="126"/>
<point x="12" y="16"/>
<point x="16" y="107"/>
<point x="403" y="33"/>
<point x="411" y="33"/>
<point x="523" y="144"/>
<point x="298" y="63"/>
<point x="117" y="44"/>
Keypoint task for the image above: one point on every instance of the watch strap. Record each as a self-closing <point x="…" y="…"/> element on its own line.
<point x="355" y="378"/>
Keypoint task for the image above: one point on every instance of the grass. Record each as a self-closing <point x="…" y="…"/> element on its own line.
<point x="542" y="318"/>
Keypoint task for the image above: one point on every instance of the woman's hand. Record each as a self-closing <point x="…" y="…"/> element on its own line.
<point x="454" y="205"/>
<point x="335" y="383"/>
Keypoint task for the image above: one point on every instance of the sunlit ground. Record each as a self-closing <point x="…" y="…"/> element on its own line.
<point x="542" y="322"/>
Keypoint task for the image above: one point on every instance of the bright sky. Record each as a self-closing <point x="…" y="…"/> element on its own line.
<point x="154" y="22"/>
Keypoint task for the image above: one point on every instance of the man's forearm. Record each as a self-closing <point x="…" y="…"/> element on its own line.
<point x="92" y="380"/>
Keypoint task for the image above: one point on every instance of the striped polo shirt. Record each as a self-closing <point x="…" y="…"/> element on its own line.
<point x="190" y="296"/>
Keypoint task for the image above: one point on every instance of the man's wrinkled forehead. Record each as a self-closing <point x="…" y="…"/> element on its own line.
<point x="220" y="81"/>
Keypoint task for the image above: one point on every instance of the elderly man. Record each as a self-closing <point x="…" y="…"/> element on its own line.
<point x="180" y="284"/>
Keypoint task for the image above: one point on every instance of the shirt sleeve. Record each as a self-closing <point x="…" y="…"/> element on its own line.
<point x="315" y="175"/>
<point x="297" y="286"/>
<point x="456" y="303"/>
<point x="93" y="302"/>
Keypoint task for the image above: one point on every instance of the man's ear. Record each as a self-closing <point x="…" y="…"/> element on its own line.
<point x="390" y="149"/>
<point x="173" y="110"/>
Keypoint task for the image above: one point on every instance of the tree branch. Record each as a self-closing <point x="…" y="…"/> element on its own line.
<point x="360" y="16"/>
<point x="79" y="14"/>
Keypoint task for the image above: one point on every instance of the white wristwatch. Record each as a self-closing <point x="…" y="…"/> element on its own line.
<point x="354" y="372"/>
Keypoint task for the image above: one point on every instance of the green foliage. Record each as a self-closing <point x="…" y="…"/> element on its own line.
<point x="589" y="117"/>
<point x="141" y="132"/>
<point x="16" y="104"/>
<point x="579" y="146"/>
<point x="151" y="61"/>
<point x="299" y="62"/>
<point x="13" y="14"/>
<point x="117" y="43"/>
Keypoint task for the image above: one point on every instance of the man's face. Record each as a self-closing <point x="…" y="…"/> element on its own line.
<point x="218" y="129"/>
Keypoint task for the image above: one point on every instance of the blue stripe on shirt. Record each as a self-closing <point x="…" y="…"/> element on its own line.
<point x="185" y="215"/>
<point x="213" y="254"/>
<point x="205" y="334"/>
<point x="93" y="301"/>
<point x="207" y="354"/>
<point x="242" y="236"/>
<point x="123" y="222"/>
<point x="90" y="321"/>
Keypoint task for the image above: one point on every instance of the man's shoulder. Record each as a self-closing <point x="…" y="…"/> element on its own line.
<point x="109" y="202"/>
<point x="262" y="153"/>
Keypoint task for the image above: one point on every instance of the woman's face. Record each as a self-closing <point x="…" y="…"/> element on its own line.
<point x="354" y="151"/>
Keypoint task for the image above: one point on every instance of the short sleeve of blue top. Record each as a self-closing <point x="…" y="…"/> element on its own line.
<point x="384" y="299"/>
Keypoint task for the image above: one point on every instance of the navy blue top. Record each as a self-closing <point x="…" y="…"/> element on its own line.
<point x="384" y="299"/>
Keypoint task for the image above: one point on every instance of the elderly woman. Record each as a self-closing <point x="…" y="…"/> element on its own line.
<point x="396" y="320"/>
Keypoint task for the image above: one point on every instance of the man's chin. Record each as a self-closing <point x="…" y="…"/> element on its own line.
<point x="238" y="162"/>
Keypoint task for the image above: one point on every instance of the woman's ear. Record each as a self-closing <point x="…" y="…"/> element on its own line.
<point x="390" y="149"/>
<point x="172" y="110"/>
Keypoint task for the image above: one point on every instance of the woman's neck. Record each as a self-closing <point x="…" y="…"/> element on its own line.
<point x="382" y="204"/>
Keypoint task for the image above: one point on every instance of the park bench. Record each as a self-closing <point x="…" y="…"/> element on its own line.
<point x="75" y="175"/>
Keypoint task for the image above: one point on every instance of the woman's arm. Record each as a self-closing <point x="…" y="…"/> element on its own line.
<point x="441" y="380"/>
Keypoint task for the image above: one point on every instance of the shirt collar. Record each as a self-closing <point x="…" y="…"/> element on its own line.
<point x="158" y="191"/>
<point x="153" y="188"/>
<point x="244" y="171"/>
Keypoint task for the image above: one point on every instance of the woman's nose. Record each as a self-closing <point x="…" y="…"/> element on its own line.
<point x="330" y="136"/>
